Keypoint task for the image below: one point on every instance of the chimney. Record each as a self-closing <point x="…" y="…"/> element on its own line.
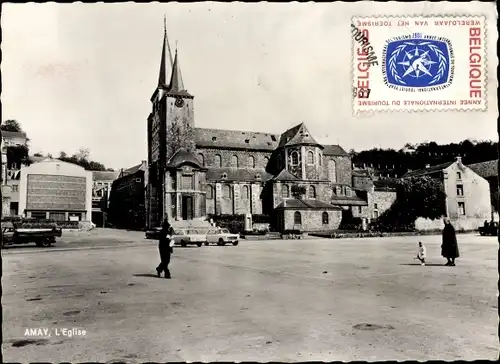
<point x="427" y="165"/>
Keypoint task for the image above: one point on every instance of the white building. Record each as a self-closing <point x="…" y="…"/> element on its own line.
<point x="56" y="190"/>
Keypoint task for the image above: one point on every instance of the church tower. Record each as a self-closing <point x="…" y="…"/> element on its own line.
<point x="170" y="129"/>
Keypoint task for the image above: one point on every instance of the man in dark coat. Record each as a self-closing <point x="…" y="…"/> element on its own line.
<point x="449" y="248"/>
<point x="165" y="249"/>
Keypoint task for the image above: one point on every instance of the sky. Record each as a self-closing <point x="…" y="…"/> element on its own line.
<point x="81" y="75"/>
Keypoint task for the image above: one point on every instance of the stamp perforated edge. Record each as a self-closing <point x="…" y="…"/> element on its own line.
<point x="407" y="110"/>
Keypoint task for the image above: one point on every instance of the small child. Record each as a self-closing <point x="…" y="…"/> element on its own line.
<point x="421" y="253"/>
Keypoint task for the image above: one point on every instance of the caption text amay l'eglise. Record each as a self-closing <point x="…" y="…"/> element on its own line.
<point x="366" y="58"/>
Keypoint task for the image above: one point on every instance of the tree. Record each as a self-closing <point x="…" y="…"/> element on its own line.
<point x="81" y="158"/>
<point x="416" y="197"/>
<point x="38" y="154"/>
<point x="83" y="154"/>
<point x="62" y="155"/>
<point x="180" y="135"/>
<point x="11" y="125"/>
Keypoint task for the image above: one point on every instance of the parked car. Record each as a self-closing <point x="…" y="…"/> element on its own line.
<point x="153" y="233"/>
<point x="43" y="235"/>
<point x="491" y="229"/>
<point x="221" y="237"/>
<point x="184" y="237"/>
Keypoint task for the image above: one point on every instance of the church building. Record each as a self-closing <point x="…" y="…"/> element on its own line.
<point x="194" y="172"/>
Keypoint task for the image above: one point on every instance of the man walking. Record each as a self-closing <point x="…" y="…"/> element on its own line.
<point x="165" y="248"/>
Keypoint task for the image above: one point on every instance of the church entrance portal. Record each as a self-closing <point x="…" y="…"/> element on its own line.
<point x="187" y="207"/>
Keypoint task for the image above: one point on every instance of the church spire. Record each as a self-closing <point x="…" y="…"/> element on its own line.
<point x="176" y="83"/>
<point x="166" y="60"/>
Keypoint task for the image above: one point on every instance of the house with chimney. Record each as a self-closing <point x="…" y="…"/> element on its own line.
<point x="468" y="202"/>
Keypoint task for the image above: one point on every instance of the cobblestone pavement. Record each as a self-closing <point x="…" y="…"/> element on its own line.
<point x="302" y="300"/>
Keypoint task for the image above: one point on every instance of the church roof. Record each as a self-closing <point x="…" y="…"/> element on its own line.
<point x="182" y="156"/>
<point x="284" y="175"/>
<point x="298" y="135"/>
<point x="428" y="171"/>
<point x="298" y="204"/>
<point x="348" y="201"/>
<point x="234" y="139"/>
<point x="334" y="150"/>
<point x="237" y="174"/>
<point x="166" y="62"/>
<point x="485" y="169"/>
<point x="176" y="86"/>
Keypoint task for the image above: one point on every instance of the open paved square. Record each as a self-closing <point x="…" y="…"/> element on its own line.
<point x="302" y="300"/>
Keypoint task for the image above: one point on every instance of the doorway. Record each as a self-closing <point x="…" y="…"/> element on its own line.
<point x="187" y="207"/>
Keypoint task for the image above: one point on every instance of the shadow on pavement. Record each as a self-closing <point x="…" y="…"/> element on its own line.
<point x="427" y="264"/>
<point x="149" y="275"/>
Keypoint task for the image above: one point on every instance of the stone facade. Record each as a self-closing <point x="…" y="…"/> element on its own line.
<point x="234" y="172"/>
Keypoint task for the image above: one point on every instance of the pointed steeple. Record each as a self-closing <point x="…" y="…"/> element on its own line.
<point x="176" y="83"/>
<point x="166" y="62"/>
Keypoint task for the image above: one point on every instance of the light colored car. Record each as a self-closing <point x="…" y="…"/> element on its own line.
<point x="221" y="237"/>
<point x="184" y="237"/>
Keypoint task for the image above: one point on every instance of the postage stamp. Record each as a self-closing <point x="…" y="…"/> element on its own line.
<point x="419" y="63"/>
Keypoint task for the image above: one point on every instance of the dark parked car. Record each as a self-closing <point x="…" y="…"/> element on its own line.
<point x="153" y="233"/>
<point x="41" y="233"/>
<point x="491" y="229"/>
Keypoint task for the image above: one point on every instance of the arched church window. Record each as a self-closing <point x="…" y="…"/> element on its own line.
<point x="251" y="162"/>
<point x="295" y="158"/>
<point x="312" y="192"/>
<point x="332" y="171"/>
<point x="325" y="218"/>
<point x="320" y="159"/>
<point x="201" y="158"/>
<point x="234" y="161"/>
<point x="297" y="218"/>
<point x="266" y="161"/>
<point x="310" y="157"/>
<point x="217" y="160"/>
<point x="285" y="191"/>
<point x="210" y="192"/>
<point x="245" y="193"/>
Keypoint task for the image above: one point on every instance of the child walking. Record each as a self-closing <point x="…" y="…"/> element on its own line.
<point x="421" y="253"/>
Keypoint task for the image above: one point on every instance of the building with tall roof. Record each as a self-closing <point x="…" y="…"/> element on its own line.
<point x="101" y="190"/>
<point x="489" y="171"/>
<point x="194" y="172"/>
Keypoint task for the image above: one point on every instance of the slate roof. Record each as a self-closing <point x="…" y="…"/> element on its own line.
<point x="105" y="175"/>
<point x="298" y="135"/>
<point x="296" y="204"/>
<point x="485" y="169"/>
<point x="361" y="173"/>
<point x="428" y="171"/>
<point x="235" y="139"/>
<point x="131" y="170"/>
<point x="183" y="156"/>
<point x="335" y="150"/>
<point x="284" y="175"/>
<point x="237" y="174"/>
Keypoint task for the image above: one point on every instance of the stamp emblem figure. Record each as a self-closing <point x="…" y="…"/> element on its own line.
<point x="418" y="63"/>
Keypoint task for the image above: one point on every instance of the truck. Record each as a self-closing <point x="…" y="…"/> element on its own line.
<point x="43" y="234"/>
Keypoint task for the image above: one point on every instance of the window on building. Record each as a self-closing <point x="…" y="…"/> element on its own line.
<point x="285" y="191"/>
<point x="201" y="158"/>
<point x="320" y="159"/>
<point x="310" y="157"/>
<point x="375" y="214"/>
<point x="226" y="191"/>
<point x="461" y="208"/>
<point x="266" y="161"/>
<point x="297" y="218"/>
<point x="460" y="190"/>
<point x="203" y="205"/>
<point x="245" y="192"/>
<point x="15" y="188"/>
<point x="459" y="175"/>
<point x="38" y="215"/>
<point x="210" y="192"/>
<point x="234" y="161"/>
<point x="217" y="160"/>
<point x="325" y="218"/>
<point x="348" y="191"/>
<point x="294" y="158"/>
<point x="57" y="216"/>
<point x="332" y="171"/>
<point x="251" y="162"/>
<point x="312" y="192"/>
<point x="187" y="183"/>
<point x="360" y="210"/>
<point x="338" y="190"/>
<point x="375" y="206"/>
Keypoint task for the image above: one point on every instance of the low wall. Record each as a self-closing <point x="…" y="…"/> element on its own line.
<point x="469" y="224"/>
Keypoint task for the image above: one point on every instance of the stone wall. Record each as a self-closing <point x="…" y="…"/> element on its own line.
<point x="229" y="198"/>
<point x="467" y="224"/>
<point x="312" y="220"/>
<point x="379" y="201"/>
<point x="244" y="158"/>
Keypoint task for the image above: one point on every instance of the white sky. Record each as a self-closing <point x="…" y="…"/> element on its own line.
<point x="257" y="67"/>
